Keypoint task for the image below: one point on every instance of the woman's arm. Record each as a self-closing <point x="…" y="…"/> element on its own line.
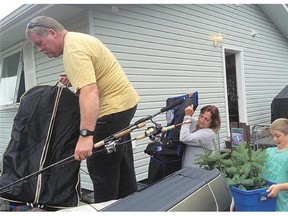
<point x="188" y="137"/>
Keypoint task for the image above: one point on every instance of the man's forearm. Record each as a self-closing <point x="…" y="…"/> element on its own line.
<point x="89" y="106"/>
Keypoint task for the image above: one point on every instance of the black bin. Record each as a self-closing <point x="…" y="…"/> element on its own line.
<point x="279" y="105"/>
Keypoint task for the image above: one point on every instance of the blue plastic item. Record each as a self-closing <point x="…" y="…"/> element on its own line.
<point x="253" y="200"/>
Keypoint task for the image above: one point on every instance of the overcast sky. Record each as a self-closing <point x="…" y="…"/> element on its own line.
<point x="11" y="5"/>
<point x="8" y="7"/>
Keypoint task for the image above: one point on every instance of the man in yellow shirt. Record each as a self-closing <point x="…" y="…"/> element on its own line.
<point x="107" y="102"/>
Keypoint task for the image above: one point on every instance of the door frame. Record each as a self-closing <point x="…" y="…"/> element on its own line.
<point x="240" y="79"/>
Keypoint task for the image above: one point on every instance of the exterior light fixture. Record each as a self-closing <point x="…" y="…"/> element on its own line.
<point x="217" y="39"/>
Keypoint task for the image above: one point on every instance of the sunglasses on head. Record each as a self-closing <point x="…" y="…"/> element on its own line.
<point x="31" y="25"/>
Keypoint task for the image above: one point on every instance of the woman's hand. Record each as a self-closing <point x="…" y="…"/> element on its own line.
<point x="189" y="110"/>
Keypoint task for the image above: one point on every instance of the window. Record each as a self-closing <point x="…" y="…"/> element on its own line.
<point x="17" y="73"/>
<point x="12" y="83"/>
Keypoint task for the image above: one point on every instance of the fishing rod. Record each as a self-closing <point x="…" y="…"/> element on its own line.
<point x="153" y="131"/>
<point x="109" y="148"/>
<point x="109" y="143"/>
<point x="37" y="173"/>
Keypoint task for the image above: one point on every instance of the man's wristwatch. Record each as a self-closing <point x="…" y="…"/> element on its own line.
<point x="85" y="133"/>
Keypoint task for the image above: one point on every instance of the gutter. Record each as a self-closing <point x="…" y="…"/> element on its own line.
<point x="23" y="13"/>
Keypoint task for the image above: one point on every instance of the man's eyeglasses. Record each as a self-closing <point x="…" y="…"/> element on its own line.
<point x="31" y="25"/>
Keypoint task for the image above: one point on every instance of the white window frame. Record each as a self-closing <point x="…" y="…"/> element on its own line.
<point x="27" y="63"/>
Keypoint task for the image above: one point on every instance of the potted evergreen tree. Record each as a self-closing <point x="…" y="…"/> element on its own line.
<point x="243" y="170"/>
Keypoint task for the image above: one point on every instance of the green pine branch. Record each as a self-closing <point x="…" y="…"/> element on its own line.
<point x="242" y="168"/>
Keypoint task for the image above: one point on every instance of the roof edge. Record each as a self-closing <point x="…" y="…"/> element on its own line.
<point x="19" y="14"/>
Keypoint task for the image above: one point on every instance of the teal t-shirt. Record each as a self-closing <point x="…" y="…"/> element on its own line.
<point x="277" y="172"/>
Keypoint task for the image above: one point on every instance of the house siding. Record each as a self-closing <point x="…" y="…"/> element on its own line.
<point x="6" y="123"/>
<point x="166" y="50"/>
<point x="7" y="114"/>
<point x="156" y="47"/>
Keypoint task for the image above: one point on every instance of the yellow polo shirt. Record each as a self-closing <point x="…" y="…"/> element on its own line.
<point x="87" y="60"/>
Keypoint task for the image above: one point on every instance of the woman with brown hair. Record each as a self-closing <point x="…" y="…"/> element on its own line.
<point x="200" y="134"/>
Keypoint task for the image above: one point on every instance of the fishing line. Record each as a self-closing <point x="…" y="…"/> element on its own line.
<point x="109" y="143"/>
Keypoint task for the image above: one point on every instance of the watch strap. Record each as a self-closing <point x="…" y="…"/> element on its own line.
<point x="85" y="133"/>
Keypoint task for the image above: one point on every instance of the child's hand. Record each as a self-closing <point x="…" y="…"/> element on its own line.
<point x="273" y="190"/>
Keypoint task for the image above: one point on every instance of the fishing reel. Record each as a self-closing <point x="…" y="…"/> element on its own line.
<point x="153" y="132"/>
<point x="110" y="145"/>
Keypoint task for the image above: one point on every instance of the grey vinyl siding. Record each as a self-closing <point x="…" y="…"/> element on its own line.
<point x="7" y="114"/>
<point x="166" y="51"/>
<point x="156" y="52"/>
<point x="6" y="122"/>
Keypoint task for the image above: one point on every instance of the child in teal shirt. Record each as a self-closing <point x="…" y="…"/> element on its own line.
<point x="277" y="164"/>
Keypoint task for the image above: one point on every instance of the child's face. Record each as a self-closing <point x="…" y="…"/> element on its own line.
<point x="279" y="137"/>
